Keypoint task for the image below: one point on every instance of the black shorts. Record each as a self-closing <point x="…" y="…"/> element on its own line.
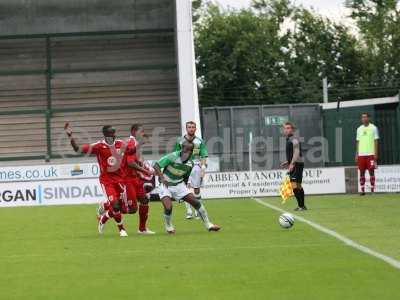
<point x="297" y="174"/>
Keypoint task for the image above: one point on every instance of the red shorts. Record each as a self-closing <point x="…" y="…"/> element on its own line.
<point x="129" y="200"/>
<point x="138" y="185"/>
<point x="113" y="191"/>
<point x="122" y="195"/>
<point x="366" y="163"/>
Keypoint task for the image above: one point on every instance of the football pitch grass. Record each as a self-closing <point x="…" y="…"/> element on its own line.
<point x="56" y="253"/>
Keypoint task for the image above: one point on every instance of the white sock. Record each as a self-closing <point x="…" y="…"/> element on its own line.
<point x="204" y="216"/>
<point x="167" y="219"/>
<point x="189" y="210"/>
<point x="198" y="197"/>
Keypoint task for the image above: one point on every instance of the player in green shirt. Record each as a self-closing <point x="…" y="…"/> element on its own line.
<point x="367" y="141"/>
<point x="173" y="170"/>
<point x="199" y="157"/>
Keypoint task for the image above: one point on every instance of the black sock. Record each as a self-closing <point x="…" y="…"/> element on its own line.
<point x="302" y="197"/>
<point x="297" y="194"/>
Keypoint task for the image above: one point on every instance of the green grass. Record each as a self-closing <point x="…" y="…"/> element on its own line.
<point x="56" y="253"/>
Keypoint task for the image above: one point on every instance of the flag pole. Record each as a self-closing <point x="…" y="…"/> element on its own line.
<point x="251" y="152"/>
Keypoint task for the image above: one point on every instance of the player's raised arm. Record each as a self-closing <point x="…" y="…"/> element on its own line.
<point x="74" y="144"/>
<point x="85" y="148"/>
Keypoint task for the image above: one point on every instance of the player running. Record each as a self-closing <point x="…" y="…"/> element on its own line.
<point x="135" y="172"/>
<point x="172" y="171"/>
<point x="367" y="151"/>
<point x="200" y="155"/>
<point x="109" y="153"/>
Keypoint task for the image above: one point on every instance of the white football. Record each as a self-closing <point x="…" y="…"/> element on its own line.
<point x="286" y="220"/>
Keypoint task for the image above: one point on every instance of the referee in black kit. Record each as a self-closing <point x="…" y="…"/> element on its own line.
<point x="295" y="164"/>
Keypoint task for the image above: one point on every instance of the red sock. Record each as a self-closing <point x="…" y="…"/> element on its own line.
<point x="362" y="183"/>
<point x="106" y="206"/>
<point x="104" y="218"/>
<point x="143" y="215"/>
<point x="372" y="180"/>
<point x="118" y="220"/>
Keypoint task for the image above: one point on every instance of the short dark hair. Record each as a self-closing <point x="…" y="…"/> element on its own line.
<point x="191" y="123"/>
<point x="136" y="126"/>
<point x="365" y="114"/>
<point x="106" y="128"/>
<point x="289" y="124"/>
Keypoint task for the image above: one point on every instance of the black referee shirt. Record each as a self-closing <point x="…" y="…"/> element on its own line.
<point x="290" y="142"/>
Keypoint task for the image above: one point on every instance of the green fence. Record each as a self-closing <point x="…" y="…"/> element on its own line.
<point x="49" y="71"/>
<point x="340" y="131"/>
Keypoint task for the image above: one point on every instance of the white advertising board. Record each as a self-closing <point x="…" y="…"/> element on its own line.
<point x="78" y="184"/>
<point x="52" y="192"/>
<point x="266" y="183"/>
<point x="49" y="172"/>
<point x="387" y="179"/>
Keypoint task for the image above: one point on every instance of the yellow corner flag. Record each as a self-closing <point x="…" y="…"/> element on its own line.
<point x="285" y="189"/>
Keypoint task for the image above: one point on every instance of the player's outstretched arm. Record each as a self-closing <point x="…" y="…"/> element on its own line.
<point x="159" y="174"/>
<point x="136" y="166"/>
<point x="74" y="144"/>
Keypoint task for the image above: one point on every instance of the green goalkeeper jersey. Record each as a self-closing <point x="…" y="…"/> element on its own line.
<point x="366" y="137"/>
<point x="174" y="169"/>
<point x="199" y="150"/>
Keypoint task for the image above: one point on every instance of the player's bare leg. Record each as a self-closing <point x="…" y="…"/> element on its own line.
<point x="191" y="199"/>
<point x="167" y="203"/>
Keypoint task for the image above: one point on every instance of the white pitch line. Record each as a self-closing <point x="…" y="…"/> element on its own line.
<point x="390" y="260"/>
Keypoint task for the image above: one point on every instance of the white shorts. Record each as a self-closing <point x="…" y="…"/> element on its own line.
<point x="195" y="180"/>
<point x="155" y="191"/>
<point x="176" y="192"/>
